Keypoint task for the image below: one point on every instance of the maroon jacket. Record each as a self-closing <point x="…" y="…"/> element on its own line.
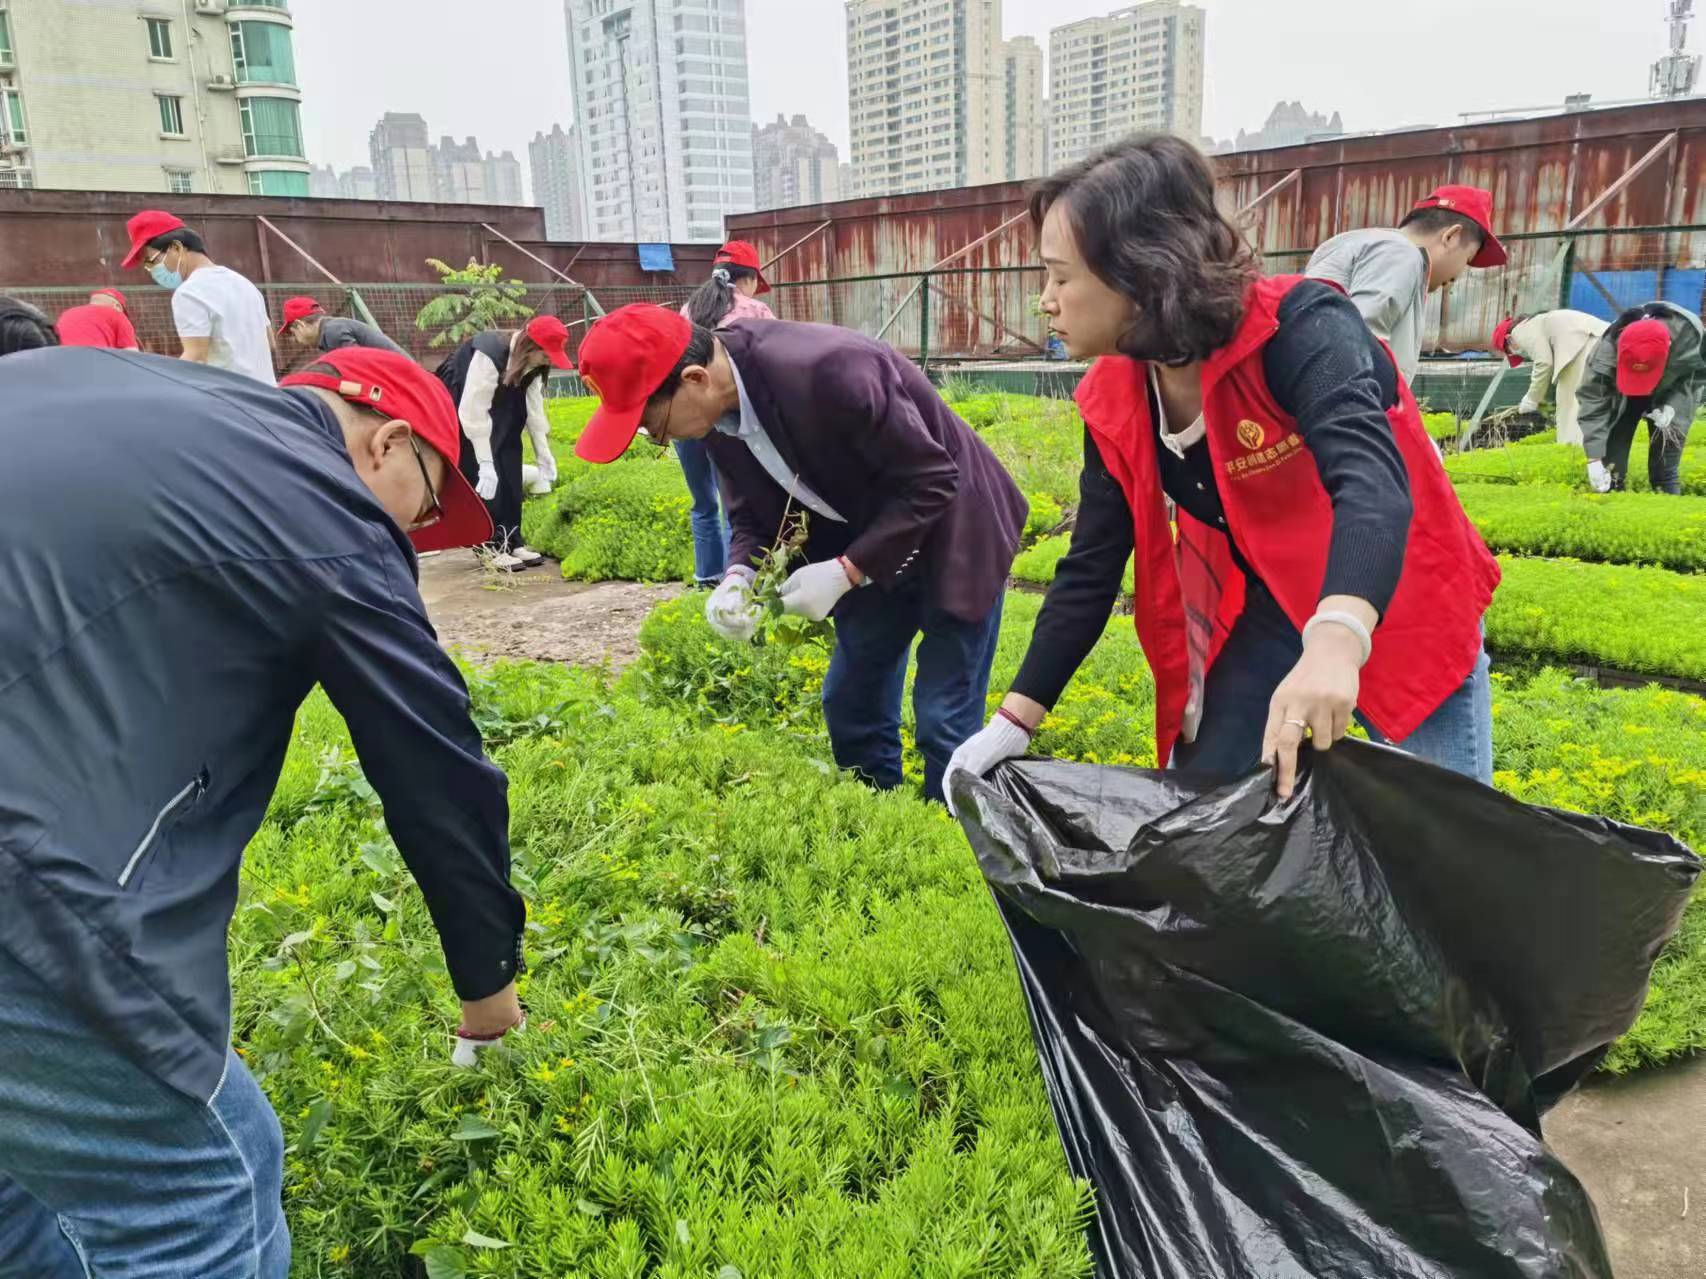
<point x="866" y="432"/>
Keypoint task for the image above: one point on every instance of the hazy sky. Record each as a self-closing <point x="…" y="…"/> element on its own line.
<point x="1382" y="63"/>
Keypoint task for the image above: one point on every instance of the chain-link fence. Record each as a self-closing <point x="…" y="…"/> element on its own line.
<point x="991" y="314"/>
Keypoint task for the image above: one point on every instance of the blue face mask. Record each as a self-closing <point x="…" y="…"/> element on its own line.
<point x="164" y="278"/>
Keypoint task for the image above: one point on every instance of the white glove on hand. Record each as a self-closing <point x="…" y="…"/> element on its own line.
<point x="1002" y="740"/>
<point x="1599" y="479"/>
<point x="547" y="465"/>
<point x="467" y="1047"/>
<point x="814" y="591"/>
<point x="487" y="485"/>
<point x="1662" y="417"/>
<point x="1528" y="405"/>
<point x="731" y="610"/>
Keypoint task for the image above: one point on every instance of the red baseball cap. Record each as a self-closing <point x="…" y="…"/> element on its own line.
<point x="1502" y="338"/>
<point x="298" y="309"/>
<point x="741" y="253"/>
<point x="624" y="358"/>
<point x="118" y="297"/>
<point x="552" y="336"/>
<point x="148" y="225"/>
<point x="395" y="386"/>
<point x="1642" y="352"/>
<point x="1476" y="204"/>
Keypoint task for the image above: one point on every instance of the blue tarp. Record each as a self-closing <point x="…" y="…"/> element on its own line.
<point x="1630" y="288"/>
<point x="1685" y="288"/>
<point x="657" y="257"/>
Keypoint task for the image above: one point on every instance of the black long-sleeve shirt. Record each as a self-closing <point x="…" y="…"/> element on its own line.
<point x="1326" y="370"/>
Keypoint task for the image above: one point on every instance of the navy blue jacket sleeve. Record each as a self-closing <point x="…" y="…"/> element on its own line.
<point x="446" y="804"/>
<point x="1326" y="370"/>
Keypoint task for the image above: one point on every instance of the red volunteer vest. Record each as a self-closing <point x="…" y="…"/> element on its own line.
<point x="1190" y="592"/>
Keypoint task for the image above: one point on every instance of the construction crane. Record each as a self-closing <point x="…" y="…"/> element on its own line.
<point x="1673" y="75"/>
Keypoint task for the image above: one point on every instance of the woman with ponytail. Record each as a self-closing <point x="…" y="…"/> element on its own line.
<point x="729" y="295"/>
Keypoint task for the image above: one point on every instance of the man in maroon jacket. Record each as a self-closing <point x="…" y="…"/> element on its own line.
<point x="913" y="522"/>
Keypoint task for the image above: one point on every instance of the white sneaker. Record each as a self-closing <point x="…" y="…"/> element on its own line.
<point x="528" y="556"/>
<point x="506" y="563"/>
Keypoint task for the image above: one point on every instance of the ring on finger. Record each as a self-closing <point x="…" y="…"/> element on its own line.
<point x="1301" y="726"/>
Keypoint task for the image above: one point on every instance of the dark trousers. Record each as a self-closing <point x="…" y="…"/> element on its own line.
<point x="505" y="508"/>
<point x="1664" y="449"/>
<point x="874" y="630"/>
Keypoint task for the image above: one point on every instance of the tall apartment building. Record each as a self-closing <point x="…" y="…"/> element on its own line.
<point x="459" y="172"/>
<point x="1026" y="110"/>
<point x="1138" y="69"/>
<point x="503" y="179"/>
<point x="926" y="94"/>
<point x="551" y="159"/>
<point x="403" y="163"/>
<point x="792" y="163"/>
<point x="323" y="182"/>
<point x="664" y="125"/>
<point x="150" y="96"/>
<point x="358" y="184"/>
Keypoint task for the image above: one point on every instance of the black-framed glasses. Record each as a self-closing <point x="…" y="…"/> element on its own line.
<point x="437" y="513"/>
<point x="661" y="439"/>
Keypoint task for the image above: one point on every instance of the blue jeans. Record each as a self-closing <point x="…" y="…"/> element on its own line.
<point x="874" y="630"/>
<point x="710" y="531"/>
<point x="1261" y="651"/>
<point x="105" y="1171"/>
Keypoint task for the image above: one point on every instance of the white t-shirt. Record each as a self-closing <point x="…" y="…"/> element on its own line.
<point x="218" y="304"/>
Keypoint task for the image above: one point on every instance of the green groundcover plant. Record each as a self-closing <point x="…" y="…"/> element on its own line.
<point x="1537" y="461"/>
<point x="1614" y="528"/>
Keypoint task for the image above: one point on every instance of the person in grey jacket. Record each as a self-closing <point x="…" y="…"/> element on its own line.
<point x="309" y="328"/>
<point x="1389" y="272"/>
<point x="187" y="554"/>
<point x="1650" y="364"/>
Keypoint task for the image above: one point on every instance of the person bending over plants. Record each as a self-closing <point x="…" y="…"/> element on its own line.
<point x="192" y="554"/>
<point x="1651" y="363"/>
<point x="913" y="522"/>
<point x="1322" y="567"/>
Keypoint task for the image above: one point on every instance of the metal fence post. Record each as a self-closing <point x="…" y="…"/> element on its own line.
<point x="924" y="324"/>
<point x="1566" y="274"/>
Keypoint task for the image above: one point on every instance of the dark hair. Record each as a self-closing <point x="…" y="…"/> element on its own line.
<point x="701" y="347"/>
<point x="182" y="235"/>
<point x="1143" y="214"/>
<point x="24" y="328"/>
<point x="715" y="298"/>
<point x="1431" y="221"/>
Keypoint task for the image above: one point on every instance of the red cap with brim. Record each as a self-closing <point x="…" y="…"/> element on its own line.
<point x="1642" y="352"/>
<point x="1502" y="339"/>
<point x="394" y="386"/>
<point x="148" y="225"/>
<point x="298" y="309"/>
<point x="1476" y="204"/>
<point x="551" y="336"/>
<point x="625" y="358"/>
<point x="741" y="253"/>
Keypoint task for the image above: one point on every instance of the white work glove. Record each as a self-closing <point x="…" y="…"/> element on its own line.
<point x="467" y="1047"/>
<point x="1662" y="417"/>
<point x="814" y="591"/>
<point x="731" y="610"/>
<point x="1002" y="740"/>
<point x="1528" y="405"/>
<point x="487" y="485"/>
<point x="486" y="1016"/>
<point x="546" y="464"/>
<point x="1599" y="479"/>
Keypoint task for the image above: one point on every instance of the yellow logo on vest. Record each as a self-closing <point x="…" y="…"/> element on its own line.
<point x="1260" y="460"/>
<point x="1251" y="435"/>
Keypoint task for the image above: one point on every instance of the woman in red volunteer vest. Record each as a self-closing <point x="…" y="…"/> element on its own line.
<point x="1322" y="567"/>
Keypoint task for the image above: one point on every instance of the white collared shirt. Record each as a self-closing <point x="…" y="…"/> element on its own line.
<point x="746" y="427"/>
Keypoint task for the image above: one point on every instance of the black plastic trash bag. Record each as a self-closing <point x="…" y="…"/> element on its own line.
<point x="1313" y="1040"/>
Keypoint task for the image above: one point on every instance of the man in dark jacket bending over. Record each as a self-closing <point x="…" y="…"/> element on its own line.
<point x="913" y="521"/>
<point x="182" y="558"/>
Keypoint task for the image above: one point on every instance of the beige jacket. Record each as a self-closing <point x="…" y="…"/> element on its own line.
<point x="1552" y="341"/>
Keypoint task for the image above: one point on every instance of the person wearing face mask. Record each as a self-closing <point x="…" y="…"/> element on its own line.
<point x="731" y="294"/>
<point x="220" y="316"/>
<point x="913" y="523"/>
<point x="1322" y="568"/>
<point x="248" y="543"/>
<point x="1389" y="273"/>
<point x="498" y="382"/>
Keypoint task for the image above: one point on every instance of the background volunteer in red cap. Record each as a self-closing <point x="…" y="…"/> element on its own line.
<point x="101" y="321"/>
<point x="307" y="327"/>
<point x="272" y="530"/>
<point x="1390" y="272"/>
<point x="728" y="296"/>
<point x="498" y="382"/>
<point x="1558" y="344"/>
<point x="220" y="316"/>
<point x="1651" y="365"/>
<point x="913" y="524"/>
